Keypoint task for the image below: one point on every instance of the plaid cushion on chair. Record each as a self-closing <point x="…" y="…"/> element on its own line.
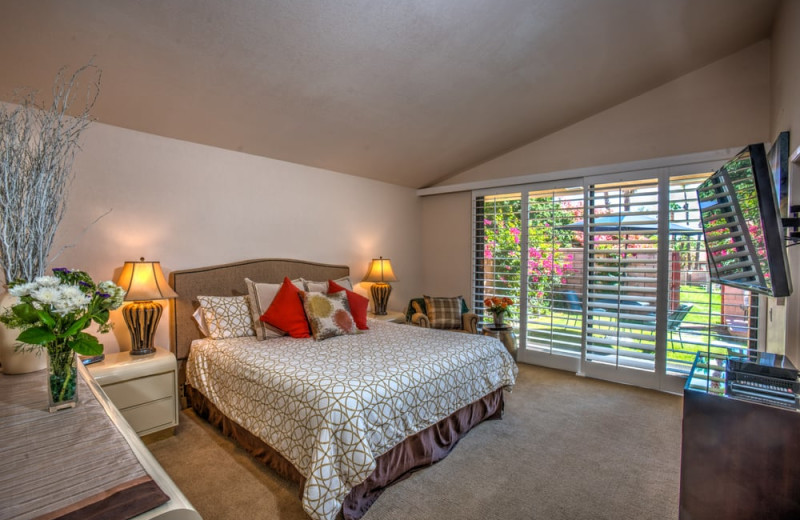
<point x="418" y="305"/>
<point x="444" y="313"/>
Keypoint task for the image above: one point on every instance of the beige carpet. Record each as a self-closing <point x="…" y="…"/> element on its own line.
<point x="567" y="448"/>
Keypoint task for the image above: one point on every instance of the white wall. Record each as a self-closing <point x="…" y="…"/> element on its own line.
<point x="723" y="105"/>
<point x="785" y="115"/>
<point x="447" y="230"/>
<point x="191" y="205"/>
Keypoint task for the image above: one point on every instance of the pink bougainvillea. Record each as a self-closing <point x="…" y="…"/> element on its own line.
<point x="546" y="265"/>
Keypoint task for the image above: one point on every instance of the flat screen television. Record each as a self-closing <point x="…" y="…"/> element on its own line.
<point x="742" y="226"/>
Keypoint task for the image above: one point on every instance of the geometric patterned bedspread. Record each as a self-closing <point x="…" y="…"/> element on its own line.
<point x="332" y="407"/>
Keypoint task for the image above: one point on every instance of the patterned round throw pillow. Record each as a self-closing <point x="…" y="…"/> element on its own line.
<point x="328" y="314"/>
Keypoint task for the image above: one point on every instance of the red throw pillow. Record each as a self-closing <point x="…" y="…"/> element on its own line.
<point x="358" y="304"/>
<point x="286" y="311"/>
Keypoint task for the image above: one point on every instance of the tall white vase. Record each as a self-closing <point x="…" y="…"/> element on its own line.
<point x="17" y="362"/>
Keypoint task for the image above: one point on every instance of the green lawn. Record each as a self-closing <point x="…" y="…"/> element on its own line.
<point x="702" y="303"/>
<point x="562" y="330"/>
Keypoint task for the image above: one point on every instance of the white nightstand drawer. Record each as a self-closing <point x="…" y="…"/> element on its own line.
<point x="142" y="387"/>
<point x="141" y="390"/>
<point x="151" y="416"/>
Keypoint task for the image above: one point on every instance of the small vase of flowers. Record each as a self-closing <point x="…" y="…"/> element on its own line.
<point x="498" y="307"/>
<point x="52" y="314"/>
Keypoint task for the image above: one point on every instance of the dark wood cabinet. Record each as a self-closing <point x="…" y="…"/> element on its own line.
<point x="739" y="459"/>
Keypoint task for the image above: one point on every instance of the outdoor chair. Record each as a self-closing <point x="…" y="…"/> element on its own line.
<point x="573" y="304"/>
<point x="675" y="320"/>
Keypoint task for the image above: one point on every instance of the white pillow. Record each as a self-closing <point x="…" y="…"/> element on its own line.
<point x="201" y="321"/>
<point x="227" y="316"/>
<point x="316" y="287"/>
<point x="322" y="287"/>
<point x="261" y="296"/>
<point x="345" y="282"/>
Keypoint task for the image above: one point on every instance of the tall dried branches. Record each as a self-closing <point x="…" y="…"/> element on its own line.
<point x="37" y="148"/>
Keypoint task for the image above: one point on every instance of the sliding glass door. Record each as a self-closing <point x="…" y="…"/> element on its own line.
<point x="553" y="324"/>
<point x="622" y="252"/>
<point x="702" y="316"/>
<point x="609" y="277"/>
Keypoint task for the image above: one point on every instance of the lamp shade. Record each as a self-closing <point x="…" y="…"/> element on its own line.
<point x="144" y="281"/>
<point x="380" y="270"/>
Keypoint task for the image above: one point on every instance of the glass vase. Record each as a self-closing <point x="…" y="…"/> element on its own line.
<point x="498" y="319"/>
<point x="62" y="378"/>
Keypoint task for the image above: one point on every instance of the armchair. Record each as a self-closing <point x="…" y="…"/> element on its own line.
<point x="417" y="314"/>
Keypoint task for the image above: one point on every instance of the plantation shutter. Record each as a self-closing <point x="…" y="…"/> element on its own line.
<point x="622" y="259"/>
<point x="498" y="250"/>
<point x="687" y="270"/>
<point x="554" y="271"/>
<point x="703" y="317"/>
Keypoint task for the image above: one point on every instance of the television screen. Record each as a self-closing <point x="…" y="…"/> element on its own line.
<point x="742" y="226"/>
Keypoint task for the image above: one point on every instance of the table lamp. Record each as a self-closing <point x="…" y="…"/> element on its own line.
<point x="143" y="282"/>
<point x="380" y="271"/>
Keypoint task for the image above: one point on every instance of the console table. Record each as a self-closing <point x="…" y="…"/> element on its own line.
<point x="739" y="459"/>
<point x="85" y="461"/>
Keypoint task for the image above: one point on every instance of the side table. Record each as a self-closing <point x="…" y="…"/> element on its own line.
<point x="506" y="336"/>
<point x="390" y="316"/>
<point x="144" y="388"/>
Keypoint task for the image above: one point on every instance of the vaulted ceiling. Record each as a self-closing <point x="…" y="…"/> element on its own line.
<point x="404" y="91"/>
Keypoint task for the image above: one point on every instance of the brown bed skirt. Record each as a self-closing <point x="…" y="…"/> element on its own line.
<point x="417" y="451"/>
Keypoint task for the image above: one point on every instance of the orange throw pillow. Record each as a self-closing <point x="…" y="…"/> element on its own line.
<point x="358" y="304"/>
<point x="286" y="311"/>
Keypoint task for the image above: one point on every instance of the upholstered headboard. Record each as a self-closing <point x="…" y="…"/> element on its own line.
<point x="228" y="280"/>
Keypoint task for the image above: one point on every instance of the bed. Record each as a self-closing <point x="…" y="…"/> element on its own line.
<point x="344" y="417"/>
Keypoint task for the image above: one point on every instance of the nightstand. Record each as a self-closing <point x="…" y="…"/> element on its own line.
<point x="390" y="316"/>
<point x="144" y="388"/>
